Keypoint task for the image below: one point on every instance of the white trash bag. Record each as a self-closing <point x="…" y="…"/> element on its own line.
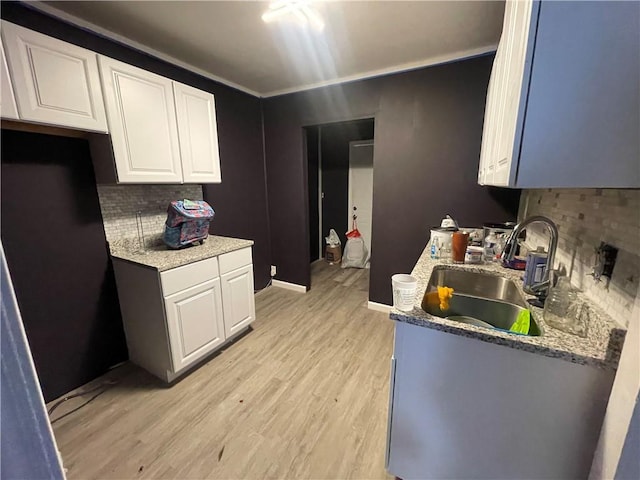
<point x="333" y="239"/>
<point x="355" y="253"/>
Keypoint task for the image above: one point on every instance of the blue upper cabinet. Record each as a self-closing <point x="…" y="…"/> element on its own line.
<point x="563" y="106"/>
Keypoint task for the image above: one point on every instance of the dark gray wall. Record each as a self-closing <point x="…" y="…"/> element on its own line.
<point x="58" y="258"/>
<point x="240" y="201"/>
<point x="428" y="130"/>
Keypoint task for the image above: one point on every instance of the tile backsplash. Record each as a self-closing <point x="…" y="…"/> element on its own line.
<point x="586" y="217"/>
<point x="120" y="203"/>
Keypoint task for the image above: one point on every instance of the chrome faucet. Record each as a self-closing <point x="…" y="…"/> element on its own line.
<point x="540" y="289"/>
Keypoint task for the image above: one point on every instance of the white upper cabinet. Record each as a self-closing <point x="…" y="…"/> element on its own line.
<point x="198" y="133"/>
<point x="8" y="107"/>
<point x="504" y="96"/>
<point x="142" y="122"/>
<point x="563" y="100"/>
<point x="54" y="82"/>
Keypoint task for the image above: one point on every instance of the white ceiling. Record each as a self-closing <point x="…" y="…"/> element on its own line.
<point x="228" y="41"/>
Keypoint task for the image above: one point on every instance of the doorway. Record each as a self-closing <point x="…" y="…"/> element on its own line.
<point x="340" y="176"/>
<point x="360" y="206"/>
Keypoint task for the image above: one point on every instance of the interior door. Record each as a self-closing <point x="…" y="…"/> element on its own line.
<point x="334" y="148"/>
<point x="194" y="318"/>
<point x="361" y="187"/>
<point x="313" y="183"/>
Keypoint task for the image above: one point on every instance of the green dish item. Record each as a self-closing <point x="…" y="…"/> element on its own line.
<point x="522" y="323"/>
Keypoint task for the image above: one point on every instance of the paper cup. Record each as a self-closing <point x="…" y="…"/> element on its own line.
<point x="404" y="291"/>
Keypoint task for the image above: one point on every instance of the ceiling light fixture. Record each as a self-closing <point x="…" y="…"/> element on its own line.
<point x="300" y="10"/>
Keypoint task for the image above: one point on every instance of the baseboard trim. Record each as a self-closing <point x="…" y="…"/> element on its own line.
<point x="379" y="307"/>
<point x="289" y="286"/>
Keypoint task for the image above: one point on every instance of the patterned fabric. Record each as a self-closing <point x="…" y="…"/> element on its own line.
<point x="187" y="223"/>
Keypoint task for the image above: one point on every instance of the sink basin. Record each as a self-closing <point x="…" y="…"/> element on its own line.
<point x="477" y="284"/>
<point x="497" y="314"/>
<point x="488" y="298"/>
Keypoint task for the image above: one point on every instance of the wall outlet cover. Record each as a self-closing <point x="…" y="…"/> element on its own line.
<point x="274" y="270"/>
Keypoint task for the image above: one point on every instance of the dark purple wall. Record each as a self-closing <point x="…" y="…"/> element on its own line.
<point x="428" y="130"/>
<point x="240" y="201"/>
<point x="58" y="258"/>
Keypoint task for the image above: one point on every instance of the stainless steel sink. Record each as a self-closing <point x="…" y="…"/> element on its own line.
<point x="478" y="284"/>
<point x="489" y="298"/>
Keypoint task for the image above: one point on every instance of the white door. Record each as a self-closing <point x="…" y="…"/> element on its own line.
<point x="8" y="107"/>
<point x="142" y="123"/>
<point x="237" y="299"/>
<point x="55" y="82"/>
<point x="195" y="323"/>
<point x="361" y="187"/>
<point x="198" y="133"/>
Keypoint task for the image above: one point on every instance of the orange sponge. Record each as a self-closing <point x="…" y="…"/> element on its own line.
<point x="441" y="297"/>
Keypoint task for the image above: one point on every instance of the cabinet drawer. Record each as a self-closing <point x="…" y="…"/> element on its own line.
<point x="178" y="279"/>
<point x="232" y="260"/>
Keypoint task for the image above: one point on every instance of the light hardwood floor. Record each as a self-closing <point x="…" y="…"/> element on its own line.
<point x="304" y="395"/>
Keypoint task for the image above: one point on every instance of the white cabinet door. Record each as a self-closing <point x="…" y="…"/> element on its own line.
<point x="194" y="318"/>
<point x="506" y="97"/>
<point x="8" y="108"/>
<point x="198" y="133"/>
<point x="142" y="123"/>
<point x="55" y="82"/>
<point x="506" y="155"/>
<point x="238" y="300"/>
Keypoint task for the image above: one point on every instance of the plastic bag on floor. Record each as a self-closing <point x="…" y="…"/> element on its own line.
<point x="333" y="239"/>
<point x="355" y="253"/>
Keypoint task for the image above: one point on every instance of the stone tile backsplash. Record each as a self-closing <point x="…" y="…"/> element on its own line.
<point x="120" y="203"/>
<point x="586" y="217"/>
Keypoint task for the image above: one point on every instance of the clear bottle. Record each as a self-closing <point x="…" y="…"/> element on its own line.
<point x="489" y="247"/>
<point x="564" y="311"/>
<point x="435" y="249"/>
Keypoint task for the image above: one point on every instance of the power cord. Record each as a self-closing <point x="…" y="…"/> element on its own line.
<point x="103" y="387"/>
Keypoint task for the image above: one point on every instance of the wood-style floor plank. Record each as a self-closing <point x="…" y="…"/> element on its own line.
<point x="303" y="395"/>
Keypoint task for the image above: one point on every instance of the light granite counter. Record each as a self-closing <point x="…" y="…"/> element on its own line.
<point x="601" y="348"/>
<point x="159" y="256"/>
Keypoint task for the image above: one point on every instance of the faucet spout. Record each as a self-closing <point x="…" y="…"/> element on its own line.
<point x="541" y="288"/>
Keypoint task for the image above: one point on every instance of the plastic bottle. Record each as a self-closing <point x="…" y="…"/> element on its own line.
<point x="489" y="248"/>
<point x="435" y="249"/>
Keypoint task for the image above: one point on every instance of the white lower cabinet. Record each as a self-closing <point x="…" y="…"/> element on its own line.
<point x="237" y="295"/>
<point x="175" y="318"/>
<point x="195" y="322"/>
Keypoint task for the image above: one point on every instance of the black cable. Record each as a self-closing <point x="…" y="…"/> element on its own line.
<point x="80" y="406"/>
<point x="104" y="386"/>
<point x="267" y="285"/>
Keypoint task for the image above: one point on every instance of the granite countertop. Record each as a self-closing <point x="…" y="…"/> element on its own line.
<point x="601" y="348"/>
<point x="159" y="256"/>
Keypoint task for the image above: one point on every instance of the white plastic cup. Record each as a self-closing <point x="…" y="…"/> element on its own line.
<point x="404" y="291"/>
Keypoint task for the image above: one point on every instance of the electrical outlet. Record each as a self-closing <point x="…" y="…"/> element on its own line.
<point x="274" y="270"/>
